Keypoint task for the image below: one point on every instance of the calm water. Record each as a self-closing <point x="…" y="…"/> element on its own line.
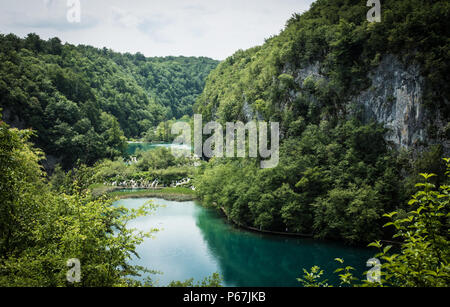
<point x="133" y="147"/>
<point x="194" y="242"/>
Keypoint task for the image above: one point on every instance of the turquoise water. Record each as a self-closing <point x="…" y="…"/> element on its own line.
<point x="194" y="242"/>
<point x="133" y="147"/>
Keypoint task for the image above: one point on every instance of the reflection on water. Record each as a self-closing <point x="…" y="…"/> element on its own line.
<point x="195" y="242"/>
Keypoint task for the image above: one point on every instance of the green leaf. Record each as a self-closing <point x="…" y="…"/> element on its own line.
<point x="412" y="202"/>
<point x="427" y="176"/>
<point x="390" y="215"/>
<point x="376" y="244"/>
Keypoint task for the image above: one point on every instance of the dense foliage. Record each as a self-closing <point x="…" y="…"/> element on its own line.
<point x="424" y="257"/>
<point x="331" y="182"/>
<point x="41" y="230"/>
<point x="45" y="224"/>
<point x="339" y="46"/>
<point x="158" y="164"/>
<point x="337" y="174"/>
<point x="79" y="99"/>
<point x="163" y="132"/>
<point x="424" y="260"/>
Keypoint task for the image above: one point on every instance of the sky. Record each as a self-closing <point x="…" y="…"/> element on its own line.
<point x="211" y="28"/>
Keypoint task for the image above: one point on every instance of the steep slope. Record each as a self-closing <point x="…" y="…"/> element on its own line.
<point x="331" y="63"/>
<point x="363" y="107"/>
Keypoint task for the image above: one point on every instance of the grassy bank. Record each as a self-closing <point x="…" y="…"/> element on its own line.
<point x="174" y="194"/>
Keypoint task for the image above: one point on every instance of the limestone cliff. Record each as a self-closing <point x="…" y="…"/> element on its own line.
<point x="395" y="98"/>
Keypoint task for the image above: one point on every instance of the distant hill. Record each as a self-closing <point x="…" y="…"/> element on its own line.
<point x="62" y="91"/>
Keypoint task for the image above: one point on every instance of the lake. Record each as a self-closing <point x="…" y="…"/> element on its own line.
<point x="194" y="242"/>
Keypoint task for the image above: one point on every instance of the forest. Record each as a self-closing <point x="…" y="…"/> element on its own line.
<point x="68" y="112"/>
<point x="85" y="102"/>
<point x="339" y="172"/>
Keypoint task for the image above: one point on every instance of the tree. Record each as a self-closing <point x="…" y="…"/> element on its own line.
<point x="57" y="89"/>
<point x="424" y="256"/>
<point x="41" y="230"/>
<point x="113" y="136"/>
<point x="424" y="260"/>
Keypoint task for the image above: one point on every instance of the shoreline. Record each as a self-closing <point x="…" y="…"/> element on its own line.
<point x="170" y="197"/>
<point x="170" y="194"/>
<point x="253" y="229"/>
<point x="288" y="234"/>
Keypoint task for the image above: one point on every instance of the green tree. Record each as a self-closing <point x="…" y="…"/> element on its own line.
<point x="41" y="230"/>
<point x="423" y="259"/>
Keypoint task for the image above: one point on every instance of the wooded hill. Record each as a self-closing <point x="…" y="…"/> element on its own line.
<point x="363" y="108"/>
<point x="79" y="99"/>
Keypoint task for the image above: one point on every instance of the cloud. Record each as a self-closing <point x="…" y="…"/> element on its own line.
<point x="154" y="28"/>
<point x="198" y="8"/>
<point x="48" y="14"/>
<point x="151" y="26"/>
<point x="57" y="23"/>
<point x="213" y="28"/>
<point x="124" y="18"/>
<point x="48" y="3"/>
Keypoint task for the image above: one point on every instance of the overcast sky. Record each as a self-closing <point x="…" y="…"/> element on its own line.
<point x="212" y="28"/>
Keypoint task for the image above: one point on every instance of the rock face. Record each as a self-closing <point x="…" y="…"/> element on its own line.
<point x="312" y="71"/>
<point x="250" y="114"/>
<point x="395" y="99"/>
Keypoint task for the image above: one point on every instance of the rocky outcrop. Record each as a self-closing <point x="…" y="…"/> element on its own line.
<point x="250" y="114"/>
<point x="396" y="100"/>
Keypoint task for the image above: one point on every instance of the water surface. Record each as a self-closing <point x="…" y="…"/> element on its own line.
<point x="195" y="242"/>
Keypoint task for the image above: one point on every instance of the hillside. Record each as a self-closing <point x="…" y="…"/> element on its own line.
<point x="79" y="99"/>
<point x="363" y="108"/>
<point x="330" y="63"/>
